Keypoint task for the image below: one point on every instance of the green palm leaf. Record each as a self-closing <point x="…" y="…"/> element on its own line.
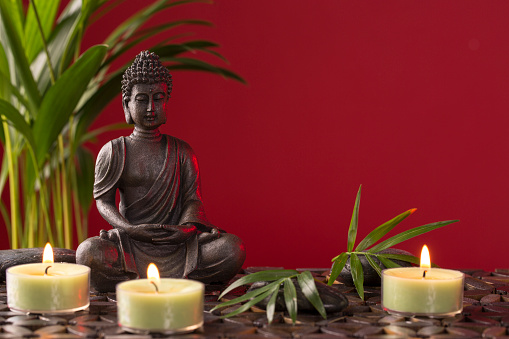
<point x="55" y="112"/>
<point x="47" y="11"/>
<point x="17" y="121"/>
<point x="11" y="27"/>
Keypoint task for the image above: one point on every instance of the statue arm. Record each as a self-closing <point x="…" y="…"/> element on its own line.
<point x="109" y="211"/>
<point x="193" y="212"/>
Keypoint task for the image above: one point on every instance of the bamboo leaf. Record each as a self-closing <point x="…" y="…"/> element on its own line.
<point x="409" y="234"/>
<point x="373" y="264"/>
<point x="352" y="231"/>
<point x="308" y="287"/>
<point x="290" y="295"/>
<point x="388" y="263"/>
<point x="357" y="274"/>
<point x="95" y="104"/>
<point x="269" y="275"/>
<point x="249" y="304"/>
<point x="382" y="230"/>
<point x="271" y="305"/>
<point x="408" y="258"/>
<point x="337" y="267"/>
<point x="55" y="111"/>
<point x="251" y="294"/>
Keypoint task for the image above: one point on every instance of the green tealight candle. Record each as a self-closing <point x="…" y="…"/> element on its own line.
<point x="48" y="287"/>
<point x="160" y="305"/>
<point x="432" y="292"/>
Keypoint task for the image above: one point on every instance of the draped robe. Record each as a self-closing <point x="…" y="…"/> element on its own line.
<point x="174" y="198"/>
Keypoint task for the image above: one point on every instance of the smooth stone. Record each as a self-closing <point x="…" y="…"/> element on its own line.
<point x="333" y="300"/>
<point x="20" y="256"/>
<point x="371" y="277"/>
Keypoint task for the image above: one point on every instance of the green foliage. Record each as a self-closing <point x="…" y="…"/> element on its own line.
<point x="277" y="277"/>
<point x="364" y="247"/>
<point x="51" y="93"/>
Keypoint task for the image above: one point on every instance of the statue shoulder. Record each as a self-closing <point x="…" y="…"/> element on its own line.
<point x="180" y="145"/>
<point x="111" y="149"/>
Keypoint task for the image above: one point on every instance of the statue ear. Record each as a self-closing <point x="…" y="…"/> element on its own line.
<point x="128" y="118"/>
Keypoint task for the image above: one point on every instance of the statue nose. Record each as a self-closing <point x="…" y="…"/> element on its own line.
<point x="151" y="106"/>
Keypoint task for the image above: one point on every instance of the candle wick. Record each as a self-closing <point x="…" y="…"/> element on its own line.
<point x="153" y="283"/>
<point x="46" y="270"/>
<point x="424" y="274"/>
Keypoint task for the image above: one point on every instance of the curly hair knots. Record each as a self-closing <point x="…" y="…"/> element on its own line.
<point x="146" y="68"/>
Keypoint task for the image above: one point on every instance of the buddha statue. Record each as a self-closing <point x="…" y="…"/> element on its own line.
<point x="160" y="217"/>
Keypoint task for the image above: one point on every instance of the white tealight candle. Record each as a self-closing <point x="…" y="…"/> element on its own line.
<point x="48" y="287"/>
<point x="160" y="305"/>
<point x="422" y="290"/>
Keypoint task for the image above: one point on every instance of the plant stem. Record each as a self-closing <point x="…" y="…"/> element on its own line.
<point x="13" y="188"/>
<point x="65" y="196"/>
<point x="44" y="44"/>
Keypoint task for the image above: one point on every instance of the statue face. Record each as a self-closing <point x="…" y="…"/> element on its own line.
<point x="147" y="106"/>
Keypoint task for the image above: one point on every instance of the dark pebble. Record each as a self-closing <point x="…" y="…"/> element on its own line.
<point x="430" y="330"/>
<point x="368" y="330"/>
<point x="463" y="332"/>
<point x="17" y="330"/>
<point x="494" y="332"/>
<point x="477" y="284"/>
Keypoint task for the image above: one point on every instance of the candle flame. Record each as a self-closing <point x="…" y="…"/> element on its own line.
<point x="425" y="259"/>
<point x="153" y="272"/>
<point x="47" y="256"/>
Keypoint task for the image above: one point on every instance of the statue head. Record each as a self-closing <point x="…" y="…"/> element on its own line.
<point x="146" y="69"/>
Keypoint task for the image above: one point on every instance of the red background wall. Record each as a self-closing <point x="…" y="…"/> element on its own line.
<point x="407" y="98"/>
